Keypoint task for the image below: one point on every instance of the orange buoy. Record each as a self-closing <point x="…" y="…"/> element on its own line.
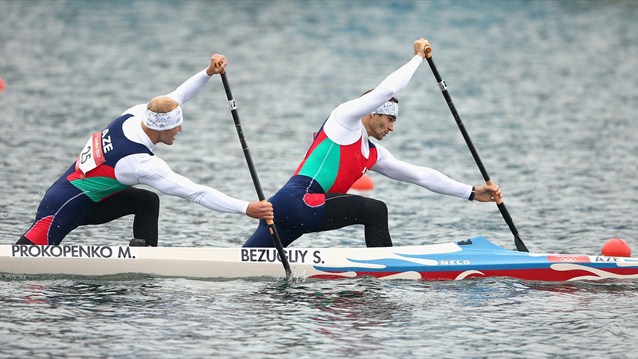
<point x="616" y="247"/>
<point x="364" y="183"/>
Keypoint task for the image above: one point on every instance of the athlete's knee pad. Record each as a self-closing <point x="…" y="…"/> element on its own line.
<point x="153" y="200"/>
<point x="376" y="210"/>
<point x="148" y="201"/>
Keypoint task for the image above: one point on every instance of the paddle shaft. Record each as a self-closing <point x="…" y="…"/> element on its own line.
<point x="520" y="246"/>
<point x="253" y="174"/>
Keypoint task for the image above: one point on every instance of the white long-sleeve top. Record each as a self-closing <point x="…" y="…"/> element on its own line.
<point x="344" y="127"/>
<point x="142" y="168"/>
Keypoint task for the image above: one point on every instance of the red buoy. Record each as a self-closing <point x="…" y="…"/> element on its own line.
<point x="364" y="183"/>
<point x="616" y="247"/>
<point x="1" y="84"/>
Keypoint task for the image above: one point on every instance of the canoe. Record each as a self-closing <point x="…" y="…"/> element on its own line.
<point x="476" y="257"/>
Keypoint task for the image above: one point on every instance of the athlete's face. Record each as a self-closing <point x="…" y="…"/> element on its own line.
<point x="168" y="136"/>
<point x="381" y="125"/>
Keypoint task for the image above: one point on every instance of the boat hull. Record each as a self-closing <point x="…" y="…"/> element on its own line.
<point x="473" y="258"/>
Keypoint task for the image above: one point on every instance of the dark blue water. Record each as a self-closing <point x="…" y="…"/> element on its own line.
<point x="546" y="90"/>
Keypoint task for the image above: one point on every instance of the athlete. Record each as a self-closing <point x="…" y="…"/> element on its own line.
<point x="315" y="198"/>
<point x="97" y="187"/>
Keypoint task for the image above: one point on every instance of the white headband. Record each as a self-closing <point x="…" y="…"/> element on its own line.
<point x="163" y="121"/>
<point x="388" y="108"/>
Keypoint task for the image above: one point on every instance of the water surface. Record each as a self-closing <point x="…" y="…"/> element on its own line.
<point x="547" y="91"/>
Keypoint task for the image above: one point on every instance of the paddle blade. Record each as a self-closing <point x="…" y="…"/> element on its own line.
<point x="520" y="246"/>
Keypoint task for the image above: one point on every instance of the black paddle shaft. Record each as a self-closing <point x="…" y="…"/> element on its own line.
<point x="520" y="246"/>
<point x="253" y="174"/>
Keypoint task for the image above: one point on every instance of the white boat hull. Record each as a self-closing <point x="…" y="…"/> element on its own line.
<point x="475" y="257"/>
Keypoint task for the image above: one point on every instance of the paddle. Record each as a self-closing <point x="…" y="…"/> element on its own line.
<point x="253" y="174"/>
<point x="520" y="246"/>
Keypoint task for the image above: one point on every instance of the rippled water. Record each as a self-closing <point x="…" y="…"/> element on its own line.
<point x="547" y="91"/>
